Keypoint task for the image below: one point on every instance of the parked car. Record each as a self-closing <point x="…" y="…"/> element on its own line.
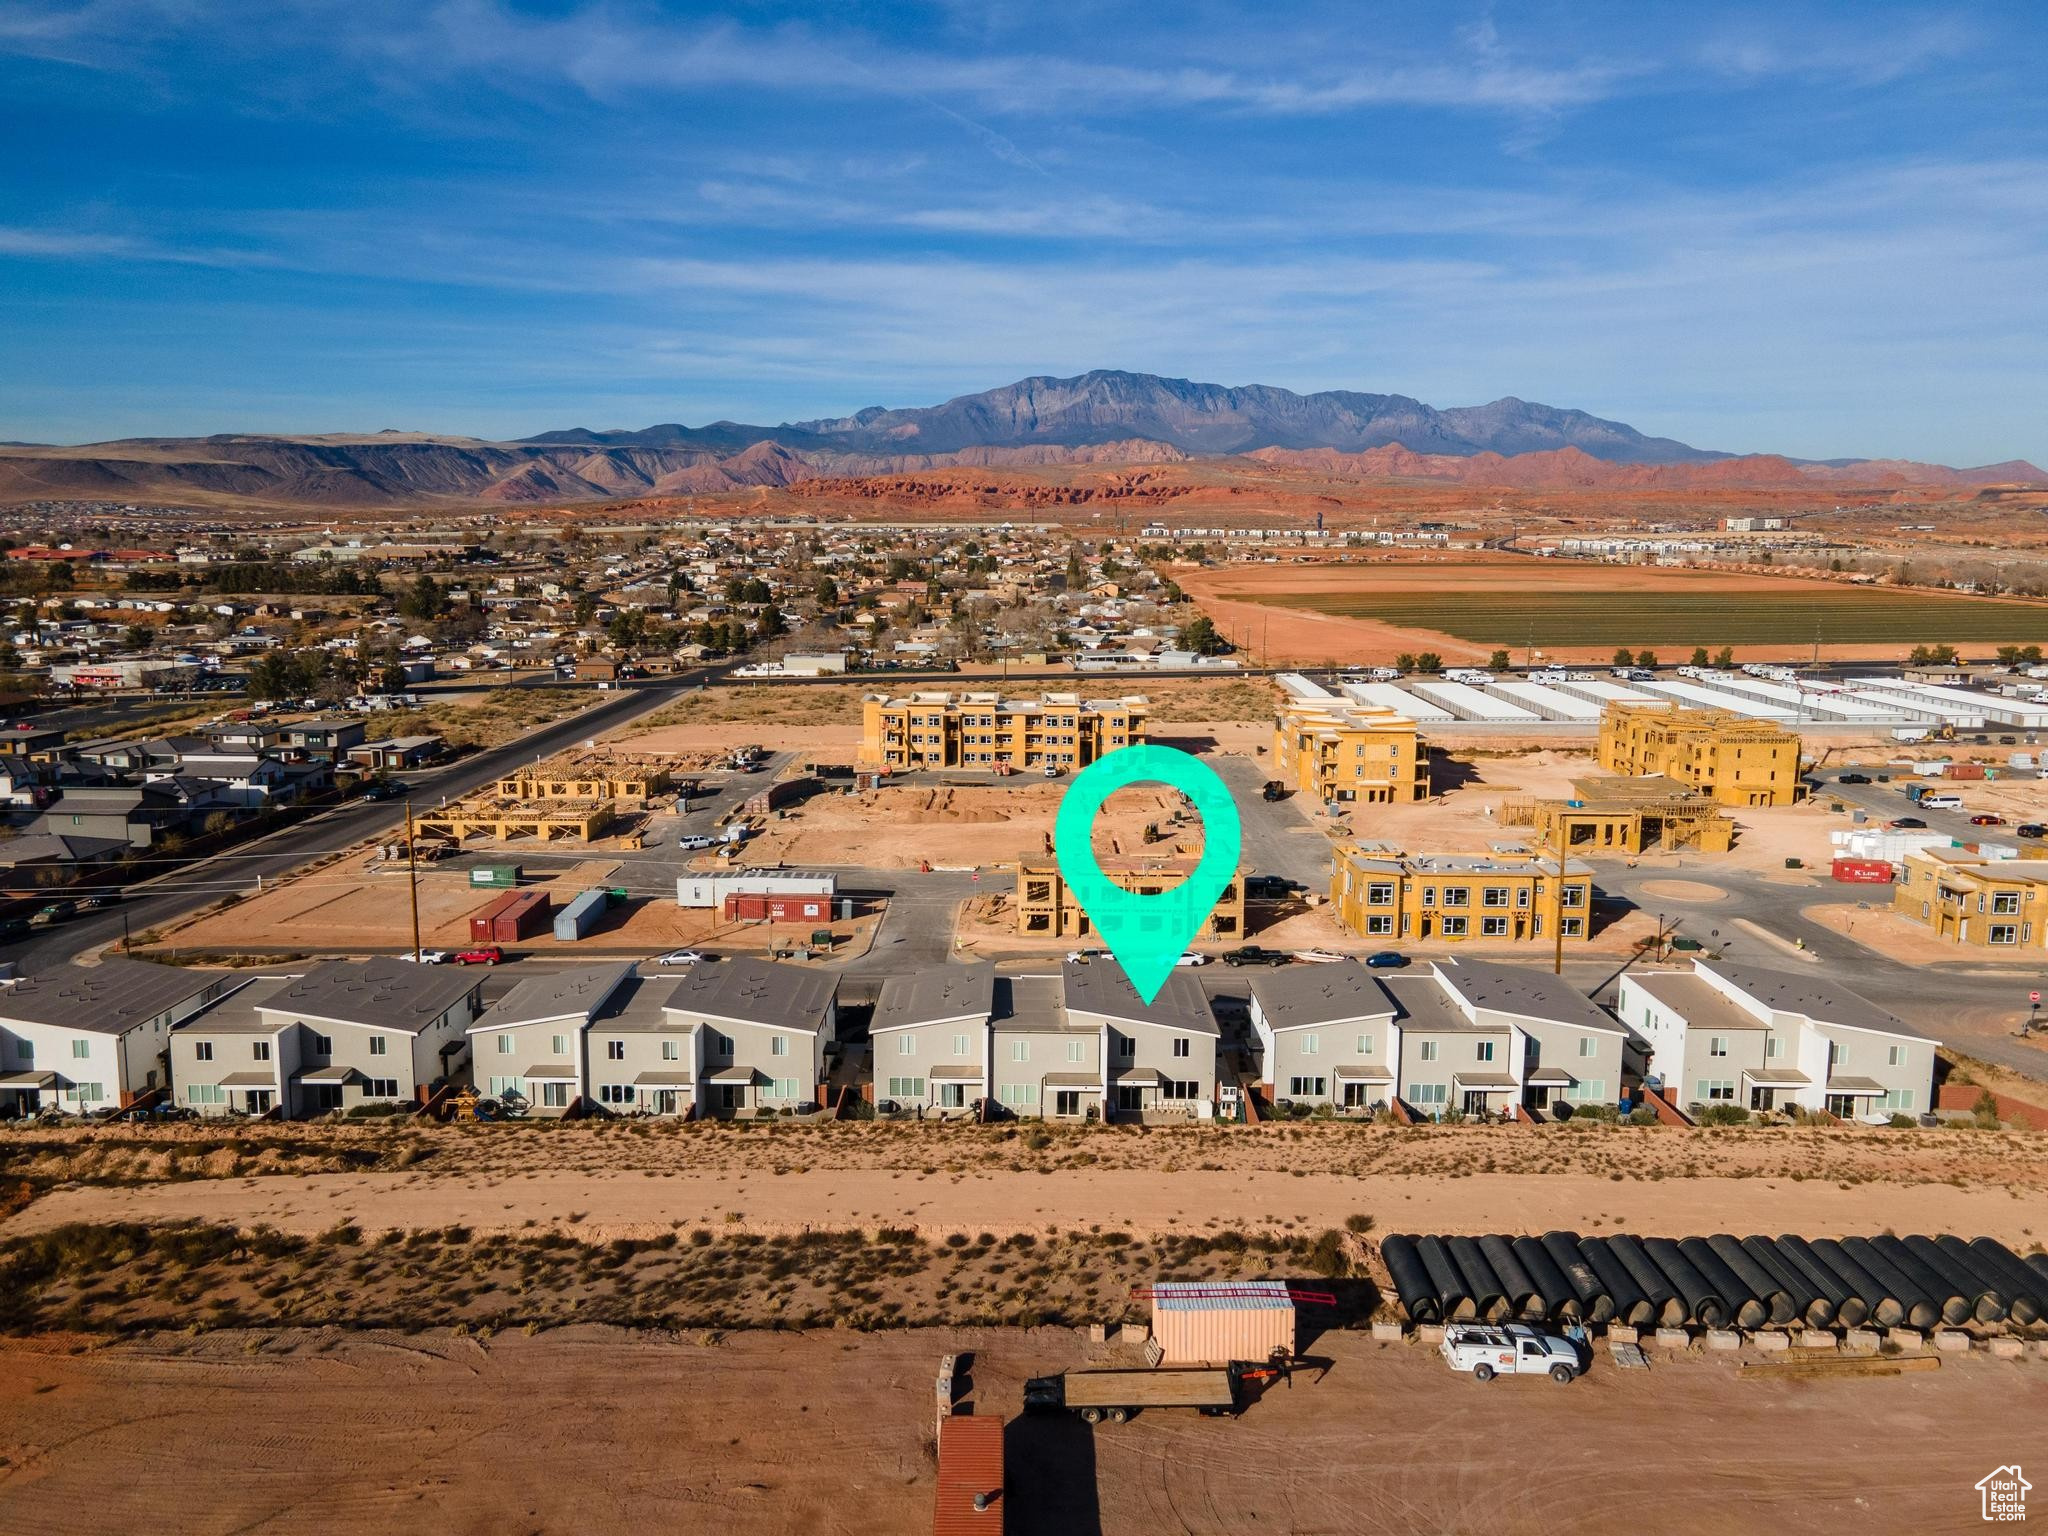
<point x="1387" y="960"/>
<point x="1987" y="819"/>
<point x="383" y="789"/>
<point x="1906" y="824"/>
<point x="1254" y="954"/>
<point x="1853" y="778"/>
<point x="1514" y="1349"/>
<point x="682" y="957"/>
<point x="1274" y="789"/>
<point x="101" y="902"/>
<point x="483" y="954"/>
<point x="695" y="840"/>
<point x="429" y="957"/>
<point x="2032" y="829"/>
<point x="1192" y="957"/>
<point x="1320" y="956"/>
<point x="1085" y="956"/>
<point x="55" y="912"/>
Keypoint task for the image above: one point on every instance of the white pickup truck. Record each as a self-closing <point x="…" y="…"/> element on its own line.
<point x="1487" y="1351"/>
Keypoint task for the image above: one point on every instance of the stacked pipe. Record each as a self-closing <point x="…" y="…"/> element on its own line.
<point x="1718" y="1281"/>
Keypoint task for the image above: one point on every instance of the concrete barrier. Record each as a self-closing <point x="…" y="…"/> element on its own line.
<point x="1098" y="1333"/>
<point x="1820" y="1339"/>
<point x="1621" y="1333"/>
<point x="1861" y="1341"/>
<point x="1907" y="1341"/>
<point x="1386" y="1333"/>
<point x="1771" y="1343"/>
<point x="1950" y="1342"/>
<point x="1673" y="1338"/>
<point x="1133" y="1333"/>
<point x="1723" y="1339"/>
<point x="1431" y="1334"/>
<point x="2008" y="1349"/>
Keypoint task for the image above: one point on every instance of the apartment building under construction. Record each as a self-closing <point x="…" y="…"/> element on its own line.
<point x="1062" y="731"/>
<point x="1340" y="752"/>
<point x="1048" y="908"/>
<point x="1382" y="895"/>
<point x="1728" y="757"/>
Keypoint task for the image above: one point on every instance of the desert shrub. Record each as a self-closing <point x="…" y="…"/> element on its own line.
<point x="1643" y="1116"/>
<point x="1605" y="1114"/>
<point x="1724" y="1114"/>
<point x="1902" y="1122"/>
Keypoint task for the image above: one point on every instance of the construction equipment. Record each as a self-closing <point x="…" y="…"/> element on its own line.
<point x="462" y="1108"/>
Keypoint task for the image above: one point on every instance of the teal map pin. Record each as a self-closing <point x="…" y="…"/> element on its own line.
<point x="1147" y="934"/>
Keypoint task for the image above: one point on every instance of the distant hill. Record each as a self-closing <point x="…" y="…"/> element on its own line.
<point x="1102" y="417"/>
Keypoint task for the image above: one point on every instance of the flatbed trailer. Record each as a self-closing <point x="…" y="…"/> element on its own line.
<point x="1115" y="1395"/>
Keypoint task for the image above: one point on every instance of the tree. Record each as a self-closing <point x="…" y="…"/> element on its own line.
<point x="1405" y="661"/>
<point x="138" y="637"/>
<point x="423" y="600"/>
<point x="1699" y="655"/>
<point x="1498" y="662"/>
<point x="1725" y="657"/>
<point x="826" y="592"/>
<point x="1429" y="661"/>
<point x="1077" y="573"/>
<point x="1624" y="657"/>
<point x="1199" y="635"/>
<point x="772" y="624"/>
<point x="1646" y="658"/>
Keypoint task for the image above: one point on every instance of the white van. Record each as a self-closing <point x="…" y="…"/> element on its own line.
<point x="1941" y="802"/>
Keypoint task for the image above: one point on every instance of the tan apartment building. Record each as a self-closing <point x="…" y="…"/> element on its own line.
<point x="1349" y="752"/>
<point x="1988" y="904"/>
<point x="1457" y="897"/>
<point x="1048" y="908"/>
<point x="1727" y="757"/>
<point x="1061" y="731"/>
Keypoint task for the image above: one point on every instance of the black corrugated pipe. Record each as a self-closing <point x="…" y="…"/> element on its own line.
<point x="1454" y="1305"/>
<point x="1524" y="1301"/>
<point x="1745" y="1308"/>
<point x="1987" y="1302"/>
<point x="1995" y="1291"/>
<point x="2038" y="1262"/>
<point x="1757" y="1280"/>
<point x="1666" y="1305"/>
<point x="1955" y="1303"/>
<point x="1631" y="1306"/>
<point x="1702" y="1305"/>
<point x="1560" y="1301"/>
<point x="2028" y="1290"/>
<point x="1922" y="1310"/>
<point x="1411" y="1279"/>
<point x="1880" y="1305"/>
<point x="1851" y="1310"/>
<point x="1806" y="1302"/>
<point x="1563" y="1248"/>
<point x="1489" y="1296"/>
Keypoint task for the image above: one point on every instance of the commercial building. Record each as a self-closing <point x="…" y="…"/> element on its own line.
<point x="1456" y="897"/>
<point x="1988" y="904"/>
<point x="1722" y="755"/>
<point x="1335" y="751"/>
<point x="984" y="730"/>
<point x="1612" y="814"/>
<point x="1768" y="1040"/>
<point x="1047" y="906"/>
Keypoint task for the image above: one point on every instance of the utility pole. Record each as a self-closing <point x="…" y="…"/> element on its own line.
<point x="412" y="870"/>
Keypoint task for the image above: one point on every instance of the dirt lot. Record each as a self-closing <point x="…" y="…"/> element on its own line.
<point x="591" y="1428"/>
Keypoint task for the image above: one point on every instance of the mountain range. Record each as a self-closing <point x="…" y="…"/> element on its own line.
<point x="1099" y="417"/>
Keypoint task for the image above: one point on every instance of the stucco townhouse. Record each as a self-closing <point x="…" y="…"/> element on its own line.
<point x="1159" y="1058"/>
<point x="1768" y="1040"/>
<point x="85" y="1038"/>
<point x="762" y="1033"/>
<point x="1326" y="1035"/>
<point x="528" y="1049"/>
<point x="931" y="1037"/>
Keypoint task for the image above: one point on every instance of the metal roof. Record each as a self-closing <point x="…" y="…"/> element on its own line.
<point x="384" y="993"/>
<point x="572" y="994"/>
<point x="970" y="1464"/>
<point x="110" y="998"/>
<point x="757" y="992"/>
<point x="1103" y="988"/>
<point x="1294" y="996"/>
<point x="1236" y="1296"/>
<point x="935" y="994"/>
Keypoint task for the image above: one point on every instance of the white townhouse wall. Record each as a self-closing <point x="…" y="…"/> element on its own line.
<point x="931" y="1037"/>
<point x="1161" y="1055"/>
<point x="1044" y="1062"/>
<point x="639" y="1058"/>
<point x="529" y="1048"/>
<point x="1327" y="1035"/>
<point x="1562" y="1045"/>
<point x="228" y="1058"/>
<point x="762" y="1029"/>
<point x="82" y="1038"/>
<point x="379" y="1031"/>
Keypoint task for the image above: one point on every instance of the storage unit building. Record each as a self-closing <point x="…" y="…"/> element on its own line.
<point x="1600" y="691"/>
<point x="1550" y="703"/>
<point x="1388" y="696"/>
<point x="1214" y="1323"/>
<point x="1714" y="698"/>
<point x="1469" y="703"/>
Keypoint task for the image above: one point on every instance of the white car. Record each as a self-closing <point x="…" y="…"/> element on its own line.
<point x="1192" y="957"/>
<point x="1320" y="956"/>
<point x="1485" y="1351"/>
<point x="693" y="840"/>
<point x="428" y="957"/>
<point x="1085" y="956"/>
<point x="681" y="957"/>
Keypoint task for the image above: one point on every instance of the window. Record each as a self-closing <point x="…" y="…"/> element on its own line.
<point x="906" y="1087"/>
<point x="508" y="1088"/>
<point x="1067" y="1101"/>
<point x="1180" y="1045"/>
<point x="505" y="1043"/>
<point x="778" y="1045"/>
<point x="1424" y="1094"/>
<point x="1019" y="1095"/>
<point x="1494" y="896"/>
<point x="1429" y="895"/>
<point x="1429" y="1050"/>
<point x="1494" y="927"/>
<point x="906" y="1045"/>
<point x="1895" y="1056"/>
<point x="1457" y="896"/>
<point x="2005" y="933"/>
<point x="1307" y="1087"/>
<point x="1588" y="1046"/>
<point x="260" y="1051"/>
<point x="615" y="1050"/>
<point x="671" y="1050"/>
<point x="1077" y="1050"/>
<point x="2005" y="903"/>
<point x="558" y="1045"/>
<point x="90" y="1093"/>
<point x="720" y="1045"/>
<point x="554" y="1095"/>
<point x="1574" y="926"/>
<point x="381" y="1088"/>
<point x="615" y="1093"/>
<point x="1454" y="927"/>
<point x="1715" y="1091"/>
<point x="1172" y="1089"/>
<point x="205" y="1093"/>
<point x="1126" y="1048"/>
<point x="959" y="1045"/>
<point x="1574" y="896"/>
<point x="1770" y="1047"/>
<point x="379" y="1045"/>
<point x="202" y="1050"/>
<point x="1717" y="1045"/>
<point x="1379" y="925"/>
<point x="1311" y="1044"/>
<point x="1898" y="1101"/>
<point x="322" y="1045"/>
<point x="81" y="1050"/>
<point x="1588" y="1091"/>
<point x="784" y="1088"/>
<point x="1483" y="1051"/>
<point x="1365" y="1045"/>
<point x="1380" y="893"/>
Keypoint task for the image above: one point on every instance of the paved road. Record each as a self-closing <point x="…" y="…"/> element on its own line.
<point x="1279" y="837"/>
<point x="1886" y="802"/>
<point x="194" y="885"/>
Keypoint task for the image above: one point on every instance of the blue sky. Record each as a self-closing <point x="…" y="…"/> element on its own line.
<point x="1811" y="229"/>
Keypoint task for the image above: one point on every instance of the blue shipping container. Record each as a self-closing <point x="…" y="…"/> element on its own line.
<point x="580" y="916"/>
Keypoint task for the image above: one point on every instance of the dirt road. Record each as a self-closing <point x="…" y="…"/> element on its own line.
<point x="591" y="1429"/>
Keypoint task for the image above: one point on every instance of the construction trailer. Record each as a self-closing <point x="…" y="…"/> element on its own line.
<point x="710" y="891"/>
<point x="1213" y="1323"/>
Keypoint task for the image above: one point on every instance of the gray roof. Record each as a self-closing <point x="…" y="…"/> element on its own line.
<point x="757" y="992"/>
<point x="1297" y="995"/>
<point x="1033" y="1004"/>
<point x="936" y="993"/>
<point x="1526" y="992"/>
<point x="58" y="847"/>
<point x="570" y="994"/>
<point x="1698" y="1002"/>
<point x="1821" y="1000"/>
<point x="384" y="993"/>
<point x="639" y="1006"/>
<point x="1425" y="1005"/>
<point x="110" y="998"/>
<point x="236" y="1014"/>
<point x="1103" y="988"/>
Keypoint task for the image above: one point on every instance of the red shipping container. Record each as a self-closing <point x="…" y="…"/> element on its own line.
<point x="480" y="922"/>
<point x="764" y="906"/>
<point x="1864" y="871"/>
<point x="514" y="916"/>
<point x="1963" y="771"/>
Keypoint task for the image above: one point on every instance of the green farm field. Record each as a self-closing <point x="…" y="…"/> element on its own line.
<point x="1669" y="615"/>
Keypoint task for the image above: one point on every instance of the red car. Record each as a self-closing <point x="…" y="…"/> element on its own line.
<point x="1987" y="820"/>
<point x="483" y="954"/>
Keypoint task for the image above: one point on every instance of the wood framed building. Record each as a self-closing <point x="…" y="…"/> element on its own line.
<point x="1048" y="908"/>
<point x="1730" y="758"/>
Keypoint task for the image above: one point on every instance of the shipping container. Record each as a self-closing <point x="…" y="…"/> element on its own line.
<point x="499" y="877"/>
<point x="710" y="891"/>
<point x="1214" y="1323"/>
<point x="581" y="915"/>
<point x="1963" y="771"/>
<point x="763" y="907"/>
<point x="1864" y="871"/>
<point x="514" y="916"/>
